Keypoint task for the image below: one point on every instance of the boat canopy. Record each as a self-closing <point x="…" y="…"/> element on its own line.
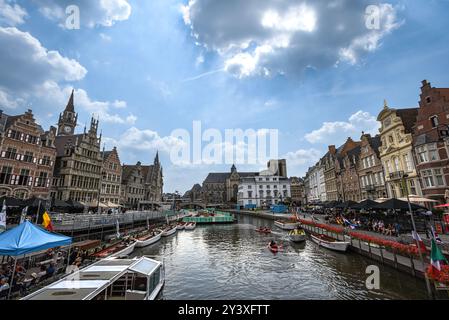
<point x="27" y="238"/>
<point x="89" y="282"/>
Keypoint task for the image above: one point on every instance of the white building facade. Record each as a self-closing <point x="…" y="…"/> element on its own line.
<point x="263" y="190"/>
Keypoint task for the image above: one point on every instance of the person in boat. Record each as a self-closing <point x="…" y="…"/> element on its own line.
<point x="273" y="244"/>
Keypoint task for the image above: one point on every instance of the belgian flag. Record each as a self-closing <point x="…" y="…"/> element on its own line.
<point x="47" y="221"/>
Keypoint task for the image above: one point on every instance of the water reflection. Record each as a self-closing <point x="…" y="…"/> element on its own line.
<point x="233" y="262"/>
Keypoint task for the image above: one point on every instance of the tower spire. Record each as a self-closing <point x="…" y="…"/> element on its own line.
<point x="71" y="105"/>
<point x="156" y="159"/>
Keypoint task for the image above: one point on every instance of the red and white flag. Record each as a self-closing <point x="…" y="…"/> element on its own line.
<point x="421" y="244"/>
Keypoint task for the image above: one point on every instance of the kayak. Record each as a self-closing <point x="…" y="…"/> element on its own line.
<point x="263" y="230"/>
<point x="275" y="248"/>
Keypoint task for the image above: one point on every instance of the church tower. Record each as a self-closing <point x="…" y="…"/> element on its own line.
<point x="68" y="119"/>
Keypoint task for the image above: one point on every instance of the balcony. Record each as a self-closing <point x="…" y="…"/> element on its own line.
<point x="369" y="188"/>
<point x="397" y="175"/>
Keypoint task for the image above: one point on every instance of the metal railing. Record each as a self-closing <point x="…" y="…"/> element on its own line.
<point x="70" y="221"/>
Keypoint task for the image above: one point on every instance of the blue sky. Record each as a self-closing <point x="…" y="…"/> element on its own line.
<point x="149" y="67"/>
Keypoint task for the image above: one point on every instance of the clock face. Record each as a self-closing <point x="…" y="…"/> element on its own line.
<point x="67" y="129"/>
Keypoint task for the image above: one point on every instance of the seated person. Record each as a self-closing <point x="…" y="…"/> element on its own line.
<point x="51" y="270"/>
<point x="4" y="285"/>
<point x="43" y="273"/>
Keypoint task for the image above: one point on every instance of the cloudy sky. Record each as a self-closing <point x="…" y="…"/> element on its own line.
<point x="314" y="70"/>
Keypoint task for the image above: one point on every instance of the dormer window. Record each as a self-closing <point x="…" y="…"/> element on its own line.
<point x="434" y="121"/>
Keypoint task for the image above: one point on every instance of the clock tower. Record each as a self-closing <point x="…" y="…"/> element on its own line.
<point x="68" y="119"/>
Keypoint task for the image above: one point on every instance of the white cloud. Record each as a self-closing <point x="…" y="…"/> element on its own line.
<point x="145" y="140"/>
<point x="93" y="13"/>
<point x="31" y="72"/>
<point x="11" y="13"/>
<point x="284" y="37"/>
<point x="338" y="131"/>
<point x="105" y="37"/>
<point x="302" y="157"/>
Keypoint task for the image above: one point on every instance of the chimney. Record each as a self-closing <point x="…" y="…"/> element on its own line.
<point x="332" y="149"/>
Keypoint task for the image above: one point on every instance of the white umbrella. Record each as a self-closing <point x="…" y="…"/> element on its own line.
<point x="416" y="198"/>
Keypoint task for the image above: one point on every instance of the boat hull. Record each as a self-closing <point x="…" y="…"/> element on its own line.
<point x="167" y="233"/>
<point x="190" y="226"/>
<point x="150" y="241"/>
<point x="125" y="252"/>
<point x="331" y="245"/>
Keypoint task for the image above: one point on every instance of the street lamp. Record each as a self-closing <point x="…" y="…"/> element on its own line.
<point x="405" y="187"/>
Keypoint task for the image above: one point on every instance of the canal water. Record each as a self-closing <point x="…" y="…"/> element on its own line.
<point x="233" y="262"/>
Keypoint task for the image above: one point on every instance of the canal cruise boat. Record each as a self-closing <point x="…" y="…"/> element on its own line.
<point x="108" y="279"/>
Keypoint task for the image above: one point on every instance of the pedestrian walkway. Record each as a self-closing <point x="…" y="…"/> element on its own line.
<point x="403" y="238"/>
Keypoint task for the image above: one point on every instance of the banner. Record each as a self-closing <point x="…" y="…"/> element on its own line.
<point x="3" y="218"/>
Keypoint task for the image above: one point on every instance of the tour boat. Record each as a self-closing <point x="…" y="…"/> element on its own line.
<point x="297" y="235"/>
<point x="148" y="239"/>
<point x="286" y="225"/>
<point x="117" y="250"/>
<point x="263" y="230"/>
<point x="190" y="226"/>
<point x="108" y="279"/>
<point x="181" y="226"/>
<point x="169" y="231"/>
<point x="330" y="243"/>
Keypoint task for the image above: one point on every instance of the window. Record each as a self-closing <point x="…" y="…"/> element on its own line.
<point x="5" y="175"/>
<point x="397" y="165"/>
<point x="427" y="153"/>
<point x="28" y="157"/>
<point x="41" y="181"/>
<point x="408" y="164"/>
<point x="24" y="177"/>
<point x="432" y="178"/>
<point x="428" y="100"/>
<point x="434" y="121"/>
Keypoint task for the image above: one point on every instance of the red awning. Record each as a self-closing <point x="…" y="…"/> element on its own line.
<point x="442" y="205"/>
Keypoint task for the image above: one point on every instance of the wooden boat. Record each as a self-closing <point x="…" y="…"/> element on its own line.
<point x="263" y="230"/>
<point x="181" y="226"/>
<point x="297" y="235"/>
<point x="286" y="225"/>
<point x="190" y="226"/>
<point x="148" y="239"/>
<point x="117" y="250"/>
<point x="170" y="230"/>
<point x="330" y="243"/>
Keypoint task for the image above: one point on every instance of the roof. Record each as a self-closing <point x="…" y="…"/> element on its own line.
<point x="408" y="117"/>
<point x="220" y="177"/>
<point x="70" y="105"/>
<point x="87" y="283"/>
<point x="62" y="141"/>
<point x="146" y="171"/>
<point x="375" y="143"/>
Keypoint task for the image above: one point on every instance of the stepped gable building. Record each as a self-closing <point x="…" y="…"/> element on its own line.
<point x="142" y="185"/>
<point x="78" y="167"/>
<point x="372" y="180"/>
<point x="346" y="176"/>
<point x="222" y="187"/>
<point x="431" y="141"/>
<point x="27" y="156"/>
<point x="396" y="151"/>
<point x="112" y="178"/>
<point x="297" y="190"/>
<point x="330" y="180"/>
